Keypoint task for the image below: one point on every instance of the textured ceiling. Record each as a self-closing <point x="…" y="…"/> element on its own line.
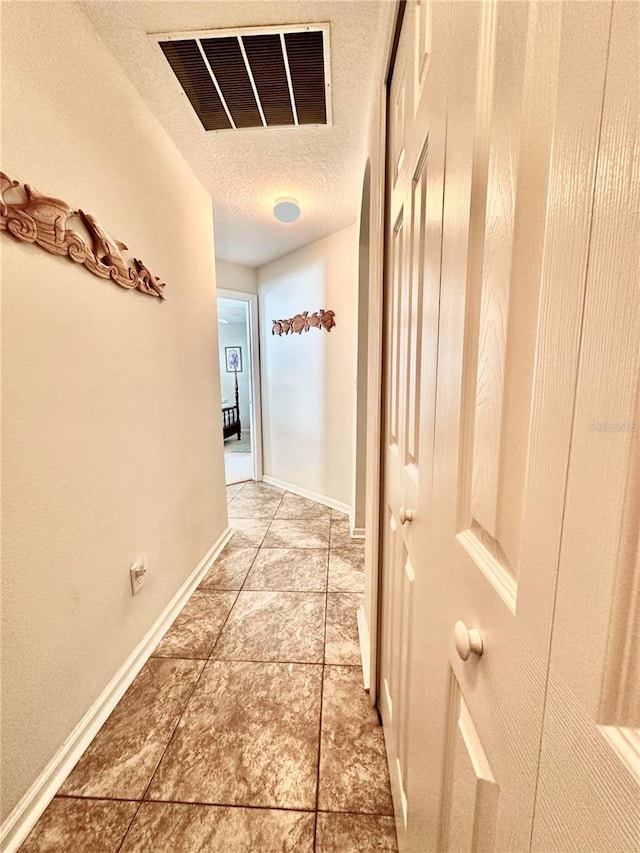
<point x="247" y="170"/>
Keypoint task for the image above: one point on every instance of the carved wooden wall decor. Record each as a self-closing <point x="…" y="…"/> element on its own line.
<point x="40" y="219"/>
<point x="303" y="322"/>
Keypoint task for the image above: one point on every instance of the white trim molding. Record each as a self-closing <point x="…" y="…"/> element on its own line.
<point x="312" y="496"/>
<point x="25" y="815"/>
<point x="365" y="646"/>
<point x="255" y="403"/>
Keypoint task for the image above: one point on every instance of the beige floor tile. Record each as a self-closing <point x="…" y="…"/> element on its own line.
<point x="259" y="488"/>
<point x="254" y="506"/>
<point x="284" y="533"/>
<point x="355" y="833"/>
<point x="346" y="569"/>
<point x="230" y="569"/>
<point x="178" y="828"/>
<point x="124" y="754"/>
<point x="342" y="645"/>
<point x="274" y="626"/>
<point x="340" y="533"/>
<point x="248" y="736"/>
<point x="302" y="569"/>
<point x="296" y="507"/>
<point x="198" y="625"/>
<point x="353" y="764"/>
<point x="241" y="730"/>
<point x="70" y="824"/>
<point x="248" y="532"/>
<point x="233" y="490"/>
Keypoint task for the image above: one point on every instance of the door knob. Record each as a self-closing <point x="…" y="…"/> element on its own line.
<point x="467" y="640"/>
<point x="406" y="515"/>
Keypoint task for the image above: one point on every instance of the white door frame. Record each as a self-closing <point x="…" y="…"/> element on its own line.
<point x="374" y="508"/>
<point x="255" y="403"/>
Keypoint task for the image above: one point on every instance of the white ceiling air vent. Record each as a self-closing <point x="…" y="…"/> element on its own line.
<point x="257" y="77"/>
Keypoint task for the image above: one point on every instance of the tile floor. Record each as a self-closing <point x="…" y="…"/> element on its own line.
<point x="248" y="729"/>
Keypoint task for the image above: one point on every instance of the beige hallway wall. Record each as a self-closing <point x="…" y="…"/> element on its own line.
<point x="308" y="380"/>
<point x="111" y="401"/>
<point x="230" y="276"/>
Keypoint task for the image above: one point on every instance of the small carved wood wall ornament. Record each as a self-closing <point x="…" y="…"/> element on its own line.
<point x="44" y="220"/>
<point x="303" y="322"/>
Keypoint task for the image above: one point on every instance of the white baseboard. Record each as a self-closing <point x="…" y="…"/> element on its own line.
<point x="306" y="493"/>
<point x="24" y="816"/>
<point x="365" y="648"/>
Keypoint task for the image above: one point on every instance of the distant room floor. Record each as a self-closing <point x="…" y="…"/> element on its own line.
<point x="238" y="459"/>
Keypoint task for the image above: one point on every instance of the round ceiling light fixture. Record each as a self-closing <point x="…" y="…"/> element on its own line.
<point x="286" y="210"/>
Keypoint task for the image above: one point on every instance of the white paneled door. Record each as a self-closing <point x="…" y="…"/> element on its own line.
<point x="511" y="330"/>
<point x="589" y="784"/>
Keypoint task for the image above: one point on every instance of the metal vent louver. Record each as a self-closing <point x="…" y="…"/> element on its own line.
<point x="261" y="77"/>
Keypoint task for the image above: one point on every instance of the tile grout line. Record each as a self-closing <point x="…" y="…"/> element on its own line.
<point x="173" y="731"/>
<point x="259" y="545"/>
<point x="135" y="815"/>
<point x="180" y="715"/>
<point x="224" y="624"/>
<point x="242" y="589"/>
<point x="267" y="660"/>
<point x="184" y="707"/>
<point x="204" y="661"/>
<point x="324" y="650"/>
<point x="213" y="590"/>
<point x="141" y="800"/>
<point x="221" y="805"/>
<point x="269" y="589"/>
<point x="260" y="548"/>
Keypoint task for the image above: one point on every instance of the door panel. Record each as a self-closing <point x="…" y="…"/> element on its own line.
<point x="414" y="318"/>
<point x="471" y="795"/>
<point x="396" y="331"/>
<point x="412" y="304"/>
<point x="485" y="298"/>
<point x="500" y="559"/>
<point x="508" y="33"/>
<point x="472" y="554"/>
<point x="422" y="26"/>
<point x="592" y="718"/>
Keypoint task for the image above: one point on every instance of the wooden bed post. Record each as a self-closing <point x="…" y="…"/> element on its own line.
<point x="235" y="373"/>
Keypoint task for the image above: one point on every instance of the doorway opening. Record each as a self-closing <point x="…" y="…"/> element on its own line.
<point x="237" y="350"/>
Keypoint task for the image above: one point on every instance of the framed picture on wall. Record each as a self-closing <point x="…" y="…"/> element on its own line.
<point x="233" y="356"/>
